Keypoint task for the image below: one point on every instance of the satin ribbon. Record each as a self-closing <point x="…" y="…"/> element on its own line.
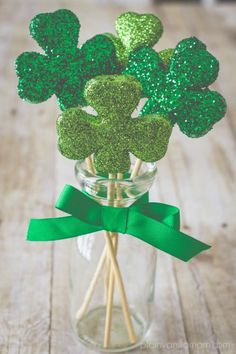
<point x="155" y="223"/>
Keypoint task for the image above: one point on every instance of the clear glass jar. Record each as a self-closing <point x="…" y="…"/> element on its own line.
<point x="91" y="268"/>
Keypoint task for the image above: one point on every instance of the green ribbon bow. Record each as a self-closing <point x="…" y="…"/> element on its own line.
<point x="64" y="69"/>
<point x="155" y="223"/>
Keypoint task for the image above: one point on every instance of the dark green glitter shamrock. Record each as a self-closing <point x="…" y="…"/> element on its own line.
<point x="179" y="88"/>
<point x="135" y="31"/>
<point x="64" y="69"/>
<point x="112" y="134"/>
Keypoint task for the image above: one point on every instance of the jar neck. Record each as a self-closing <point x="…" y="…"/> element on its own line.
<point x="115" y="192"/>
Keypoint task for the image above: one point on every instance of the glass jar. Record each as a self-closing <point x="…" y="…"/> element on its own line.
<point x="115" y="327"/>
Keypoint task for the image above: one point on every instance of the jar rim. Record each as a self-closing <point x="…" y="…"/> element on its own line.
<point x="127" y="190"/>
<point x="82" y="170"/>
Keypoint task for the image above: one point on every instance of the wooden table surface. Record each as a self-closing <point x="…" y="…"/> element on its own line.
<point x="195" y="302"/>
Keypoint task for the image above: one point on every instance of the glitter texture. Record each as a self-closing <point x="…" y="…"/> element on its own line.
<point x="180" y="90"/>
<point x="112" y="134"/>
<point x="135" y="31"/>
<point x="64" y="69"/>
<point x="138" y="30"/>
<point x="146" y="65"/>
<point x="166" y="56"/>
<point x="121" y="53"/>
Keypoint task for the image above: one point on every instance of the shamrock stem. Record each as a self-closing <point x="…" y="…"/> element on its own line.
<point x="137" y="166"/>
<point x="118" y="190"/>
<point x="90" y="164"/>
<point x="106" y="277"/>
<point x="110" y="295"/>
<point x="110" y="198"/>
<point x="111" y="279"/>
<point x="115" y="274"/>
<point x="83" y="309"/>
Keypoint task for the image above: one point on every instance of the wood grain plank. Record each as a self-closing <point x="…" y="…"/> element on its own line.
<point x="27" y="137"/>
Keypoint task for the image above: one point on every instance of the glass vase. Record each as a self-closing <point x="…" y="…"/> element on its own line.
<point x="112" y="328"/>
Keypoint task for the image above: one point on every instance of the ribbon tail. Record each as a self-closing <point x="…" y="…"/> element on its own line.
<point x="166" y="238"/>
<point x="53" y="229"/>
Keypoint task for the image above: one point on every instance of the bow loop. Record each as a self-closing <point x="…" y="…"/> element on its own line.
<point x="79" y="205"/>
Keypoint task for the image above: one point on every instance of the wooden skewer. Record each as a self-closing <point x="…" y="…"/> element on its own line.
<point x="106" y="277"/>
<point x="136" y="169"/>
<point x="90" y="165"/>
<point x="83" y="309"/>
<point x="111" y="283"/>
<point x="91" y="169"/>
<point x="105" y="255"/>
<point x="110" y="198"/>
<point x="111" y="189"/>
<point x="88" y="296"/>
<point x="124" y="302"/>
<point x="135" y="172"/>
<point x="110" y="296"/>
<point x="118" y="190"/>
<point x="87" y="299"/>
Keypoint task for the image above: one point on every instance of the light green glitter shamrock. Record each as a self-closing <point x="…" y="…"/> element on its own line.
<point x="135" y="31"/>
<point x="112" y="134"/>
<point x="64" y="69"/>
<point x="178" y="87"/>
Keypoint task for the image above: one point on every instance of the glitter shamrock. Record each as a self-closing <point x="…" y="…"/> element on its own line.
<point x="64" y="69"/>
<point x="112" y="134"/>
<point x="135" y="31"/>
<point x="179" y="90"/>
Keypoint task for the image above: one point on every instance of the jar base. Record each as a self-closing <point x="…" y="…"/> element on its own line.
<point x="90" y="330"/>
